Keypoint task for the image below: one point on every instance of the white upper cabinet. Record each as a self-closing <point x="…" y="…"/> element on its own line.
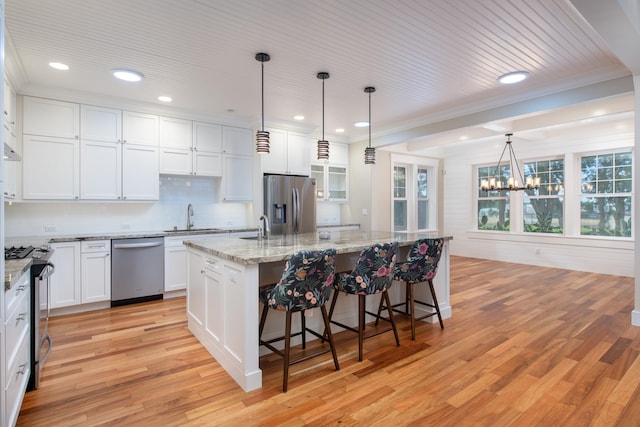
<point x="51" y="168"/>
<point x="207" y="137"/>
<point x="237" y="141"/>
<point x="140" y="173"/>
<point x="100" y="170"/>
<point x="10" y="115"/>
<point x="289" y="153"/>
<point x="100" y="124"/>
<point x="139" y="128"/>
<point x="47" y="117"/>
<point x="332" y="176"/>
<point x="175" y="133"/>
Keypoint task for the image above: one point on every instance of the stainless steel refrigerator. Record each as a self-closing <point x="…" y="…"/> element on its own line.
<point x="290" y="203"/>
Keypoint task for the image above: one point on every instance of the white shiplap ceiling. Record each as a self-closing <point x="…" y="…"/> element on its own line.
<point x="429" y="60"/>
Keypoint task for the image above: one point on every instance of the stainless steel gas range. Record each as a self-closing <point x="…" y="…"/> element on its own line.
<point x="41" y="270"/>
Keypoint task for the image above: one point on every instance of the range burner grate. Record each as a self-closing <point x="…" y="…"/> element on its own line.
<point x="17" y="253"/>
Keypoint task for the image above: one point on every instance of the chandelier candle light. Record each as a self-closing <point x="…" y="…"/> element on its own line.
<point x="369" y="152"/>
<point x="262" y="136"/>
<point x="323" y="144"/>
<point x="512" y="184"/>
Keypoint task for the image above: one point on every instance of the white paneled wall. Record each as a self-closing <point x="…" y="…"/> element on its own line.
<point x="48" y="220"/>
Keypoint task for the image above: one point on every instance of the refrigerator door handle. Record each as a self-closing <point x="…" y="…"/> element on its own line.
<point x="296" y="210"/>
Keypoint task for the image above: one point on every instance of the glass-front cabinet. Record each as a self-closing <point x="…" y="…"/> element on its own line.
<point x="331" y="182"/>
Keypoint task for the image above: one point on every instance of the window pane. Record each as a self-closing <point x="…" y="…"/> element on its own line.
<point x="602" y="173"/>
<point x="493" y="214"/>
<point x="423" y="214"/>
<point x="399" y="215"/>
<point x="399" y="181"/>
<point x="422" y="183"/>
<point x="605" y="216"/>
<point x="543" y="215"/>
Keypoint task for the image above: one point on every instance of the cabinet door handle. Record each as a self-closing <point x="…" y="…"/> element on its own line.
<point x="22" y="369"/>
<point x="21" y="316"/>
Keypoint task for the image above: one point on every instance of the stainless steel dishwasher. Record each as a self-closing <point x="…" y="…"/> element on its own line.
<point x="137" y="270"/>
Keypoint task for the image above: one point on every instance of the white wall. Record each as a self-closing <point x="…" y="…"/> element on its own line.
<point x="30" y="219"/>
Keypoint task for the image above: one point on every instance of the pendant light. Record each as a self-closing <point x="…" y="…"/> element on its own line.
<point x="262" y="136"/>
<point x="369" y="152"/>
<point x="323" y="145"/>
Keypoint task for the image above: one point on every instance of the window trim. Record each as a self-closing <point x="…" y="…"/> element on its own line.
<point x="413" y="163"/>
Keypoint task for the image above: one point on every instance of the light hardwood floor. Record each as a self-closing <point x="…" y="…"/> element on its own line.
<point x="526" y="346"/>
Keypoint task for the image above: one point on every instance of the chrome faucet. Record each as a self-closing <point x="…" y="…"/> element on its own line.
<point x="189" y="215"/>
<point x="266" y="233"/>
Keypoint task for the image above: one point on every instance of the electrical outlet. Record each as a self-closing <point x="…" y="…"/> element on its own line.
<point x="49" y="228"/>
<point x="365" y="212"/>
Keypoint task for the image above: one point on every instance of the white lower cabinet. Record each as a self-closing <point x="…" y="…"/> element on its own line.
<point x="82" y="274"/>
<point x="96" y="271"/>
<point x="16" y="346"/>
<point x="65" y="281"/>
<point x="175" y="264"/>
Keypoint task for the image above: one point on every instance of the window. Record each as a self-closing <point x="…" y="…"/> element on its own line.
<point x="400" y="213"/>
<point x="414" y="190"/>
<point x="543" y="209"/>
<point x="606" y="194"/>
<point x="493" y="206"/>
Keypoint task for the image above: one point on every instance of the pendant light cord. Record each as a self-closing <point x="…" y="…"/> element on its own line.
<point x="369" y="119"/>
<point x="263" y="96"/>
<point x="323" y="109"/>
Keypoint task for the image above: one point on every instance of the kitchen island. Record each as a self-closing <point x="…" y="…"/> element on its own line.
<point x="224" y="276"/>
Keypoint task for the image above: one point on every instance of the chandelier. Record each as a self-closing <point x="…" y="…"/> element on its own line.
<point x="513" y="183"/>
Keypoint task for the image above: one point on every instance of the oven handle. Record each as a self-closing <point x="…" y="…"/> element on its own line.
<point x="46" y="355"/>
<point x="47" y="271"/>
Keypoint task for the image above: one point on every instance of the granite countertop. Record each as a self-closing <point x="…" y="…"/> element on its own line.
<point x="139" y="234"/>
<point x="13" y="269"/>
<point x="280" y="248"/>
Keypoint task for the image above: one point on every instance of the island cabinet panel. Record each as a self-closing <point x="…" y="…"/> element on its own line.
<point x="214" y="296"/>
<point x="221" y="312"/>
<point x="195" y="292"/>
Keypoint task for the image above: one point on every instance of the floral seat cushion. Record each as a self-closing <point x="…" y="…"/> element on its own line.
<point x="422" y="261"/>
<point x="373" y="272"/>
<point x="305" y="283"/>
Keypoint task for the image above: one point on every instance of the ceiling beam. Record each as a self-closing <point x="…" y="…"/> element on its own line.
<point x="565" y="98"/>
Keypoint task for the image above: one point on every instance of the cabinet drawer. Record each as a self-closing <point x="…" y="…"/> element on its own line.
<point x="17" y="375"/>
<point x="18" y="290"/>
<point x="17" y="325"/>
<point x="95" y="246"/>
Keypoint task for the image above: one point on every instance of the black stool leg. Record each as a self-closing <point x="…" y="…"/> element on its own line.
<point x="393" y="322"/>
<point x="412" y="305"/>
<point x="287" y="352"/>
<point x="361" y="307"/>
<point x="435" y="303"/>
<point x="327" y="327"/>
<point x="303" y="322"/>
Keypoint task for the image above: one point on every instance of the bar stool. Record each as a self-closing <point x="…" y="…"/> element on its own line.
<point x="372" y="274"/>
<point x="420" y="266"/>
<point x="305" y="283"/>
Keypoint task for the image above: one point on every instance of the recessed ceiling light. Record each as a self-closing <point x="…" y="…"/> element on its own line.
<point x="59" y="66"/>
<point x="164" y="98"/>
<point x="298" y="117"/>
<point x="127" y="75"/>
<point x="339" y="130"/>
<point x="514" y="77"/>
<point x="361" y="124"/>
